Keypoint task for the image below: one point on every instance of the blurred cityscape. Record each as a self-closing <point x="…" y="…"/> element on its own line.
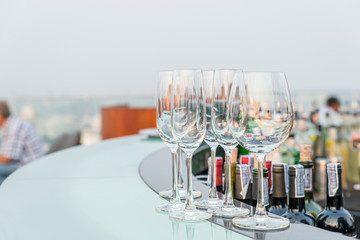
<point x="54" y="116"/>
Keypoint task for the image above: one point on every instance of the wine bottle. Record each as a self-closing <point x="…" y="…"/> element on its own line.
<point x="335" y="217"/>
<point x="279" y="195"/>
<point x="305" y="160"/>
<point x="219" y="174"/>
<point x="268" y="166"/>
<point x="242" y="183"/>
<point x="254" y="188"/>
<point x="296" y="212"/>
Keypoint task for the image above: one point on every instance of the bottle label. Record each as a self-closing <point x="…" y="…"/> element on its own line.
<point x="286" y="176"/>
<point x="299" y="181"/>
<point x="333" y="181"/>
<point x="251" y="164"/>
<point x="245" y="179"/>
<point x="308" y="179"/>
<point x="266" y="192"/>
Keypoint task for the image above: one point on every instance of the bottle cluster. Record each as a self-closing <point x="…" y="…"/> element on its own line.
<point x="288" y="191"/>
<point x="334" y="136"/>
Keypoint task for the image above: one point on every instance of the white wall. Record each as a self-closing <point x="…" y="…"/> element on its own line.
<point x="71" y="47"/>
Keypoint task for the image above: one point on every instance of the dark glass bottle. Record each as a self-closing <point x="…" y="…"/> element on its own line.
<point x="268" y="164"/>
<point x="279" y="196"/>
<point x="254" y="188"/>
<point x="242" y="183"/>
<point x="306" y="161"/>
<point x="296" y="212"/>
<point x="335" y="217"/>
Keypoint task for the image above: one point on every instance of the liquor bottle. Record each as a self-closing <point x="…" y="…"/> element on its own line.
<point x="296" y="212"/>
<point x="335" y="217"/>
<point x="319" y="144"/>
<point x="334" y="151"/>
<point x="254" y="188"/>
<point x="279" y="195"/>
<point x="352" y="164"/>
<point x="243" y="183"/>
<point x="305" y="160"/>
<point x="219" y="174"/>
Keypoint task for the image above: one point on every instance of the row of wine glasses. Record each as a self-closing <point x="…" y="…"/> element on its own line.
<point x="226" y="108"/>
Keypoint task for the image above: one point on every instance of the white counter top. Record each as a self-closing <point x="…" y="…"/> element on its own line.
<point x="91" y="192"/>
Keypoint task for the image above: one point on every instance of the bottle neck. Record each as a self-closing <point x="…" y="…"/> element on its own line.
<point x="334" y="202"/>
<point x="297" y="204"/>
<point x="309" y="196"/>
<point x="279" y="202"/>
<point x="334" y="189"/>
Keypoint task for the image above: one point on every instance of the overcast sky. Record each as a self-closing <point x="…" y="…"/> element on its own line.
<point x="105" y="47"/>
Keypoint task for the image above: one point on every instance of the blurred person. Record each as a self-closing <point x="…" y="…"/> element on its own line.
<point x="330" y="114"/>
<point x="20" y="143"/>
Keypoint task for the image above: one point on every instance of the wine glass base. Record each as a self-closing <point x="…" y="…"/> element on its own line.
<point x="182" y="193"/>
<point x="210" y="203"/>
<point x="229" y="211"/>
<point x="190" y="215"/>
<point x="170" y="207"/>
<point x="261" y="223"/>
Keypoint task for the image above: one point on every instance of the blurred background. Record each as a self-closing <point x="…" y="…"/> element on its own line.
<point x="61" y="62"/>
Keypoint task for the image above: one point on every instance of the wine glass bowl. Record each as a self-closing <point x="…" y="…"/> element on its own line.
<point x="269" y="117"/>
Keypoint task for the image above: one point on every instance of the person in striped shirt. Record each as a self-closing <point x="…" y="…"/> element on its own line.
<point x="20" y="143"/>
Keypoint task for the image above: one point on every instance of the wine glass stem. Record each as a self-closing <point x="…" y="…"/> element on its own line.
<point x="180" y="180"/>
<point x="260" y="206"/>
<point x="190" y="199"/>
<point x="212" y="193"/>
<point x="175" y="197"/>
<point x="228" y="183"/>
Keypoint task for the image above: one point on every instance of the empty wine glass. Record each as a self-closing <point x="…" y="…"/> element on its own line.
<point x="260" y="118"/>
<point x="212" y="201"/>
<point x="219" y="106"/>
<point x="188" y="121"/>
<point x="163" y="122"/>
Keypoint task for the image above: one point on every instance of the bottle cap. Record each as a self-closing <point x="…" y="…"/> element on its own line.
<point x="234" y="155"/>
<point x="245" y="159"/>
<point x="279" y="178"/>
<point x="305" y="153"/>
<point x="219" y="161"/>
<point x="255" y="172"/>
<point x="333" y="171"/>
<point x="268" y="164"/>
<point x="296" y="181"/>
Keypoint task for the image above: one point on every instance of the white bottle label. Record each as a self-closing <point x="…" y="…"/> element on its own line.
<point x="245" y="179"/>
<point x="333" y="181"/>
<point x="299" y="181"/>
<point x="308" y="179"/>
